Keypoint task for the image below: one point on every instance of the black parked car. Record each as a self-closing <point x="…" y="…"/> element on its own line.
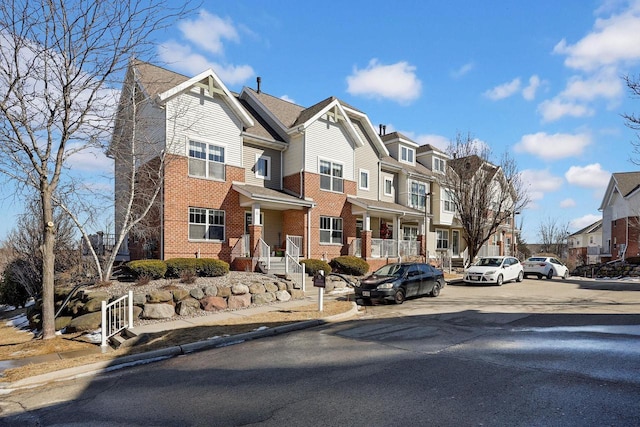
<point x="399" y="281"/>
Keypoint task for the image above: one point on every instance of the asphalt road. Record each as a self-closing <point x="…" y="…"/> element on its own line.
<point x="536" y="353"/>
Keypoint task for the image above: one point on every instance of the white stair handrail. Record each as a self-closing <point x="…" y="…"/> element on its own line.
<point x="265" y="253"/>
<point x="116" y="316"/>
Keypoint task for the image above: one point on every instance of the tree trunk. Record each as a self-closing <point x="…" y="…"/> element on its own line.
<point x="48" y="269"/>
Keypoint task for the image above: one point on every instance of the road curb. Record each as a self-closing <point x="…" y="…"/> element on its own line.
<point x="166" y="353"/>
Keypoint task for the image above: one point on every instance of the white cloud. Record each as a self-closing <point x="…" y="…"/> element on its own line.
<point x="553" y="146"/>
<point x="590" y="176"/>
<point x="529" y="92"/>
<point x="567" y="203"/>
<point x="556" y="108"/>
<point x="396" y="82"/>
<point x="539" y="182"/>
<point x="437" y="141"/>
<point x="207" y="31"/>
<point x="613" y="40"/>
<point x="504" y="90"/>
<point x="288" y="99"/>
<point x="605" y="84"/>
<point x="183" y="58"/>
<point x="90" y="160"/>
<point x="584" y="221"/>
<point x="466" y="68"/>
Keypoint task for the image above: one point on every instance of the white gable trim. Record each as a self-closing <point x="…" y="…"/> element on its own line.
<point x="333" y="108"/>
<point x="370" y="129"/>
<point x="210" y="81"/>
<point x="279" y="127"/>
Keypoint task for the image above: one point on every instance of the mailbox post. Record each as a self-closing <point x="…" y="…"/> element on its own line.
<point x="319" y="281"/>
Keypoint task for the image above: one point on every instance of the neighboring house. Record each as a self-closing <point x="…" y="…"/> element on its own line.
<point x="620" y="216"/>
<point x="585" y="246"/>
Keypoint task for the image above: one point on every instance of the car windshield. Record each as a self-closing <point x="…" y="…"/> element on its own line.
<point x="537" y="259"/>
<point x="391" y="270"/>
<point x="489" y="262"/>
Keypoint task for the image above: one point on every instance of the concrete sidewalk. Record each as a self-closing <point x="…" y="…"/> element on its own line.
<point x="311" y="297"/>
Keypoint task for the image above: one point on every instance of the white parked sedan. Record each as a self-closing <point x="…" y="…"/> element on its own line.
<point x="545" y="267"/>
<point x="495" y="269"/>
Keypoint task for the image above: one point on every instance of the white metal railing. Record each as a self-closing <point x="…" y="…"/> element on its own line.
<point x="409" y="248"/>
<point x="355" y="249"/>
<point x="293" y="245"/>
<point x="295" y="270"/>
<point x="264" y="253"/>
<point x="116" y="316"/>
<point x="246" y="242"/>
<point x="384" y="248"/>
<point x="489" y="250"/>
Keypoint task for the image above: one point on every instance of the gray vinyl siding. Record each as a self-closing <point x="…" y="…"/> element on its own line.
<point x="394" y="190"/>
<point x="329" y="140"/>
<point x="250" y="152"/>
<point x="293" y="157"/>
<point x="366" y="158"/>
<point x="204" y="119"/>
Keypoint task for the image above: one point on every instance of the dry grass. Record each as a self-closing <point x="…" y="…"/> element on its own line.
<point x="24" y="344"/>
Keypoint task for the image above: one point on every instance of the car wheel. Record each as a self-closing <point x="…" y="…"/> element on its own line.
<point x="539" y="276"/>
<point x="399" y="296"/>
<point x="520" y="277"/>
<point x="550" y="274"/>
<point x="566" y="274"/>
<point x="499" y="280"/>
<point x="366" y="301"/>
<point x="436" y="290"/>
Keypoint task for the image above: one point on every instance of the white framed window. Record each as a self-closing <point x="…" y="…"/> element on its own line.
<point x="263" y="167"/>
<point x="206" y="160"/>
<point x="442" y="239"/>
<point x="206" y="224"/>
<point x="438" y="164"/>
<point x="330" y="230"/>
<point x="406" y="154"/>
<point x="364" y="179"/>
<point x="417" y="194"/>
<point x="248" y="218"/>
<point x="331" y="176"/>
<point x="447" y="202"/>
<point x="388" y="186"/>
<point x="410" y="232"/>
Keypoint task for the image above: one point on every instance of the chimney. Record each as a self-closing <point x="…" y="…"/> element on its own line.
<point x="380" y="131"/>
<point x="259" y="80"/>
<point x="384" y="129"/>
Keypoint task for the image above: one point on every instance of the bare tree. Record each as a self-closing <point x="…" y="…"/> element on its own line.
<point x="633" y="120"/>
<point x="484" y="195"/>
<point x="59" y="63"/>
<point x="553" y="236"/>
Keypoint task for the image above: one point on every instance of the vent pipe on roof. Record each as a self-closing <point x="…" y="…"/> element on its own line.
<point x="380" y="131"/>
<point x="384" y="129"/>
<point x="259" y="80"/>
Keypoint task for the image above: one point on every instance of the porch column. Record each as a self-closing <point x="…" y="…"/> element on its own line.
<point x="398" y="234"/>
<point x="255" y="229"/>
<point x="365" y="242"/>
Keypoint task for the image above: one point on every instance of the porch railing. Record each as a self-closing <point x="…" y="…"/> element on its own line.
<point x="264" y="254"/>
<point x="116" y="316"/>
<point x="355" y="249"/>
<point x="293" y="245"/>
<point x="295" y="270"/>
<point x="384" y="248"/>
<point x="409" y="248"/>
<point x="489" y="250"/>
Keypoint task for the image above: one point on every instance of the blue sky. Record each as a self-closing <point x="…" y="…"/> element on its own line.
<point x="542" y="80"/>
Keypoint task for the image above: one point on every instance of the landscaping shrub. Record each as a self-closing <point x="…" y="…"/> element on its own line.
<point x="12" y="293"/>
<point x="203" y="267"/>
<point x="312" y="266"/>
<point x="152" y="268"/>
<point x="350" y="265"/>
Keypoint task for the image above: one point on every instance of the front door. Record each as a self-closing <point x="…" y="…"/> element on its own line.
<point x="455" y="242"/>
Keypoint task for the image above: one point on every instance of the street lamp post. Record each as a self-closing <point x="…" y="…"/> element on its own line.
<point x="513" y="232"/>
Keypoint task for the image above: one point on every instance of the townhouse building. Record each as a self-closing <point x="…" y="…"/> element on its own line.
<point x="620" y="208"/>
<point x="585" y="245"/>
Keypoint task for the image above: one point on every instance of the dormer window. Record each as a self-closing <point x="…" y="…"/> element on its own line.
<point x="438" y="165"/>
<point x="407" y="154"/>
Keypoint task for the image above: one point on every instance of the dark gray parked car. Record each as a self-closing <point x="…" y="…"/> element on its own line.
<point x="399" y="281"/>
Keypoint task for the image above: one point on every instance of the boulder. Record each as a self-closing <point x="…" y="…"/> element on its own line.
<point x="159" y="295"/>
<point x="224" y="291"/>
<point x="139" y="299"/>
<point x="158" y="311"/>
<point x="85" y="323"/>
<point x="213" y="303"/>
<point x="283" y="295"/>
<point x="296" y="293"/>
<point x="239" y="301"/>
<point x="239" y="289"/>
<point x="265" y="298"/>
<point x="282" y="286"/>
<point x="257" y="288"/>
<point x="211" y="291"/>
<point x="62" y="322"/>
<point x="271" y="287"/>
<point x="188" y="307"/>
<point x="75" y="307"/>
<point x="180" y="294"/>
<point x="87" y="295"/>
<point x="94" y="304"/>
<point x="196" y="293"/>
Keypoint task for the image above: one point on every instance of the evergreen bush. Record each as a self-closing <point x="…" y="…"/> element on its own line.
<point x="350" y="265"/>
<point x="152" y="268"/>
<point x="312" y="266"/>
